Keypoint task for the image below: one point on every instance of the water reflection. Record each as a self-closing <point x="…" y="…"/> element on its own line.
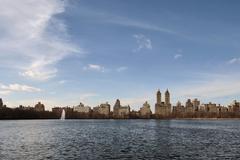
<point x="119" y="139"/>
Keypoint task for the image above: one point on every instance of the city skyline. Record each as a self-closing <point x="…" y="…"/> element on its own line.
<point x="63" y="52"/>
<point x="162" y="100"/>
<point x="163" y="109"/>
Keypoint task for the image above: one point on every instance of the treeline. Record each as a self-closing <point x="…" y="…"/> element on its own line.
<point x="17" y="113"/>
<point x="10" y="113"/>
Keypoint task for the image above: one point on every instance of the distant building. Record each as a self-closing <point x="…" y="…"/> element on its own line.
<point x="103" y="109"/>
<point x="234" y="106"/>
<point x="135" y="114"/>
<point x="1" y="103"/>
<point x="222" y="109"/>
<point x="211" y="107"/>
<point x="202" y="108"/>
<point x="196" y="104"/>
<point x="58" y="111"/>
<point x="189" y="107"/>
<point x="178" y="110"/>
<point x="39" y="107"/>
<point x="82" y="109"/>
<point x="25" y="108"/>
<point x="120" y="111"/>
<point x="145" y="111"/>
<point x="163" y="109"/>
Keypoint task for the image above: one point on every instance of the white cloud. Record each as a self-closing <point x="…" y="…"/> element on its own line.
<point x="62" y="81"/>
<point x="32" y="38"/>
<point x="234" y="60"/>
<point x="143" y="42"/>
<point x="94" y="67"/>
<point x="211" y="86"/>
<point x="7" y="89"/>
<point x="123" y="68"/>
<point x="39" y="73"/>
<point x="177" y="56"/>
<point x="5" y="92"/>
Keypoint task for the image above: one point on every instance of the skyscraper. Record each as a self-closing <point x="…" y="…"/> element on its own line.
<point x="163" y="109"/>
<point x="1" y="103"/>
<point x="158" y="97"/>
<point x="167" y="97"/>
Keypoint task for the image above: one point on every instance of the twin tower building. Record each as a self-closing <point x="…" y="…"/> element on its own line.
<point x="163" y="109"/>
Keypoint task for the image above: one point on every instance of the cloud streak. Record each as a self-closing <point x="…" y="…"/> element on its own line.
<point x="125" y="21"/>
<point x="211" y="86"/>
<point x="177" y="56"/>
<point x="32" y="38"/>
<point x="138" y="24"/>
<point x="7" y="89"/>
<point x="234" y="61"/>
<point x="94" y="67"/>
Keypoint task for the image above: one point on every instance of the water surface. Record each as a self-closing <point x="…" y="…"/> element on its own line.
<point x="120" y="139"/>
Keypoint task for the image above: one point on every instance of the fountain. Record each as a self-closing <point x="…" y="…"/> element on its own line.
<point x="63" y="115"/>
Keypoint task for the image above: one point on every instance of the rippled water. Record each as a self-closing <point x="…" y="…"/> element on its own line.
<point x="120" y="139"/>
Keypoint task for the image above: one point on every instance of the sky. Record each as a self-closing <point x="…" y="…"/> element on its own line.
<point x="63" y="52"/>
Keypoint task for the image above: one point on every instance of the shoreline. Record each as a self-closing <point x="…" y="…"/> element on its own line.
<point x="215" y="119"/>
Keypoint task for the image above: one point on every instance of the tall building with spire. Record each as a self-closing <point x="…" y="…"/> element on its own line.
<point x="167" y="97"/>
<point x="158" y="97"/>
<point x="163" y="109"/>
<point x="1" y="103"/>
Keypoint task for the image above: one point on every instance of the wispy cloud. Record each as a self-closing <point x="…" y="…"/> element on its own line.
<point x="32" y="38"/>
<point x="125" y="21"/>
<point x="143" y="42"/>
<point x="62" y="81"/>
<point x="7" y="89"/>
<point x="177" y="56"/>
<point x="94" y="67"/>
<point x="121" y="69"/>
<point x="138" y="24"/>
<point x="211" y="86"/>
<point x="5" y="92"/>
<point x="234" y="61"/>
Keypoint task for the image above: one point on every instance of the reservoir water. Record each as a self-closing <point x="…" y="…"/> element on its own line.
<point x="119" y="139"/>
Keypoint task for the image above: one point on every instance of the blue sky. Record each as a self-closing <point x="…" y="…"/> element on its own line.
<point x="64" y="52"/>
